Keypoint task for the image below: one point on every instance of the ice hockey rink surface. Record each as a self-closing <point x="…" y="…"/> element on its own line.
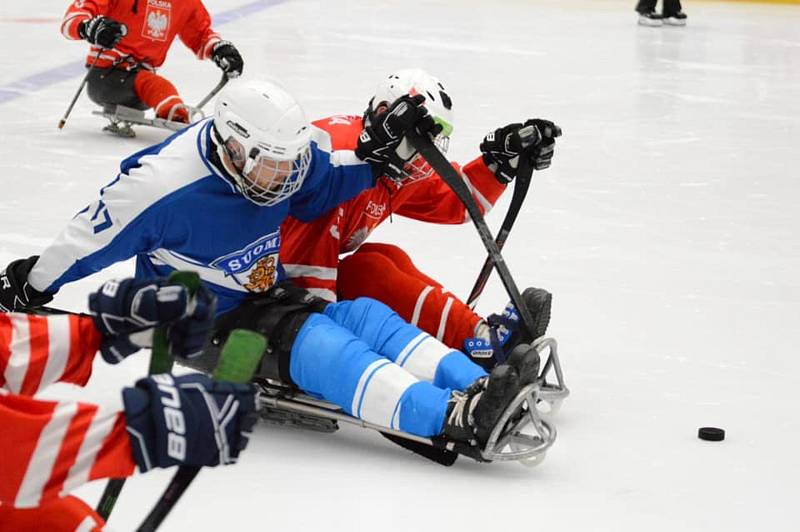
<point x="667" y="230"/>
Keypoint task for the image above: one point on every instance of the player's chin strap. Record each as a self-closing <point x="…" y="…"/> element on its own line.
<point x="221" y="160"/>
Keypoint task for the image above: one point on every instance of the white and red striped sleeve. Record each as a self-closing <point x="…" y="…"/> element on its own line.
<point x="48" y="449"/>
<point x="36" y="351"/>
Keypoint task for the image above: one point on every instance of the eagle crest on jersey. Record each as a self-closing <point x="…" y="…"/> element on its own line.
<point x="157" y="18"/>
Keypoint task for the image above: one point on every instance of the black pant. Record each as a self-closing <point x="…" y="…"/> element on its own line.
<point x="670" y="7"/>
<point x="110" y="87"/>
<point x="279" y="314"/>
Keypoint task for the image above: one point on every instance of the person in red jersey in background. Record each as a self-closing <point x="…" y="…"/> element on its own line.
<point x="385" y="272"/>
<point x="49" y="448"/>
<point x="132" y="38"/>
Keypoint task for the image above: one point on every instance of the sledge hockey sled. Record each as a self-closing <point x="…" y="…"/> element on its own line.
<point x="522" y="434"/>
<point x="122" y="119"/>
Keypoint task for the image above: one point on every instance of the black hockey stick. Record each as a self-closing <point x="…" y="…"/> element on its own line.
<point x="214" y="91"/>
<point x="529" y="136"/>
<point x="63" y="121"/>
<point x="424" y="145"/>
<point x="238" y="362"/>
<point x="160" y="362"/>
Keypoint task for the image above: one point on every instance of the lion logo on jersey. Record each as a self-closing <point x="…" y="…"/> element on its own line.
<point x="253" y="267"/>
<point x="262" y="277"/>
<point x="157" y="20"/>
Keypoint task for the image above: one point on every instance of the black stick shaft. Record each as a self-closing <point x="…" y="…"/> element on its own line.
<point x="214" y="91"/>
<point x="240" y="357"/>
<point x="160" y="362"/>
<point x="425" y="146"/>
<point x="521" y="185"/>
<point x="177" y="486"/>
<point x="63" y="121"/>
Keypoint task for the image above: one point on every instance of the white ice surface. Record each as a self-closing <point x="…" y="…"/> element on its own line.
<point x="666" y="228"/>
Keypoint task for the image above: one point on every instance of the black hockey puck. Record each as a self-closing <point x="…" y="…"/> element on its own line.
<point x="711" y="434"/>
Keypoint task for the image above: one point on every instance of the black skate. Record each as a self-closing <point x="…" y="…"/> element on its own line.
<point x="675" y="19"/>
<point x="525" y="359"/>
<point x="650" y="18"/>
<point x="473" y="414"/>
<point x="504" y="333"/>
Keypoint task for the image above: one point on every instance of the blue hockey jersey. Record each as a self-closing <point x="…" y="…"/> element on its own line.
<point x="172" y="209"/>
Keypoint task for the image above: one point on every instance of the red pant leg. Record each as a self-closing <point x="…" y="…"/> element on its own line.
<point x="386" y="273"/>
<point x="160" y="94"/>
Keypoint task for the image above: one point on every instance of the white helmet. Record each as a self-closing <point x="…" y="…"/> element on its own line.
<point x="266" y="135"/>
<point x="437" y="101"/>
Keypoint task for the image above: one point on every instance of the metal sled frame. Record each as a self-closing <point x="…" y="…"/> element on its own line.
<point x="122" y="118"/>
<point x="520" y="435"/>
<point x="553" y="392"/>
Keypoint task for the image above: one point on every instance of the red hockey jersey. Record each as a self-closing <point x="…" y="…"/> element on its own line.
<point x="152" y="26"/>
<point x="50" y="448"/>
<point x="310" y="251"/>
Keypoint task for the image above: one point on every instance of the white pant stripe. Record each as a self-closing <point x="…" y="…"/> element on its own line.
<point x="425" y="359"/>
<point x="99" y="429"/>
<point x="157" y="108"/>
<point x="20" y="352"/>
<point x="382" y="395"/>
<point x="409" y="348"/>
<point x="40" y="467"/>
<point x="418" y="306"/>
<point x="443" y="319"/>
<point x="362" y="383"/>
<point x="59" y="339"/>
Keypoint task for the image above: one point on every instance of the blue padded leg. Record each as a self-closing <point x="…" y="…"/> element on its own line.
<point x="415" y="350"/>
<point x="330" y="362"/>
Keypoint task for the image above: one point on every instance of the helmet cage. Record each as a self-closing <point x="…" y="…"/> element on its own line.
<point x="264" y="180"/>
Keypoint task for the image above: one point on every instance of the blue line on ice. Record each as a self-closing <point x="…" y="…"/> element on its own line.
<point x="54" y="75"/>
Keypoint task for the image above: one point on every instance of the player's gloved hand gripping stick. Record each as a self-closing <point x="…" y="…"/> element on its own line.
<point x="240" y="358"/>
<point x="424" y="145"/>
<point x="529" y="136"/>
<point x="160" y="362"/>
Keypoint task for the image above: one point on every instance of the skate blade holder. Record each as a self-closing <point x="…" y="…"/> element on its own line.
<point x="521" y="434"/>
<point x="551" y="392"/>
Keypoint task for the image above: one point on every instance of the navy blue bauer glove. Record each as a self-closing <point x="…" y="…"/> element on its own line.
<point x="188" y="420"/>
<point x="126" y="312"/>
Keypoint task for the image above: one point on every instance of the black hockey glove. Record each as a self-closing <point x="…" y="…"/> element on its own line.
<point x="383" y="133"/>
<point x="228" y="59"/>
<point x="188" y="420"/>
<point x="126" y="313"/>
<point x="15" y="292"/>
<point x="102" y="31"/>
<point x="502" y="148"/>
